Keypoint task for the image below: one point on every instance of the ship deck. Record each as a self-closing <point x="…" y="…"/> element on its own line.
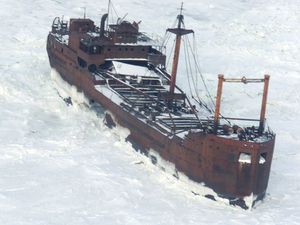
<point x="143" y="91"/>
<point x="146" y="94"/>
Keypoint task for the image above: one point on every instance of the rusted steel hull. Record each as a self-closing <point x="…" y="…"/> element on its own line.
<point x="204" y="158"/>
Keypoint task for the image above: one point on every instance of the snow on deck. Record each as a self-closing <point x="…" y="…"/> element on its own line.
<point x="107" y="92"/>
<point x="64" y="39"/>
<point x="133" y="70"/>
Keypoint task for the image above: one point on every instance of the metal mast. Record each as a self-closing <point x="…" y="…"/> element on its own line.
<point x="179" y="31"/>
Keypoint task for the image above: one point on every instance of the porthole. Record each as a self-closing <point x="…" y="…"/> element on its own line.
<point x="245" y="157"/>
<point x="262" y="158"/>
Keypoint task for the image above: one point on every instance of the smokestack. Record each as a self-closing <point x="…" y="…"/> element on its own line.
<point x="103" y="19"/>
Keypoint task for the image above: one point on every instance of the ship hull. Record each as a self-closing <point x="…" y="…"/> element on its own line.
<point x="204" y="158"/>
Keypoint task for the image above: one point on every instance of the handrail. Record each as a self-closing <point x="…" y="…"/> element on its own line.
<point x="243" y="119"/>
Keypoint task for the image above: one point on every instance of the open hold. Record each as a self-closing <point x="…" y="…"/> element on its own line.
<point x="108" y="121"/>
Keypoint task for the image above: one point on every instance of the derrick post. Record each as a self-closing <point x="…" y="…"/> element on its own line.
<point x="218" y="102"/>
<point x="264" y="105"/>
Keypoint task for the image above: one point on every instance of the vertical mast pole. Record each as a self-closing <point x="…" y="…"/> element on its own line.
<point x="179" y="32"/>
<point x="264" y="104"/>
<point x="177" y="52"/>
<point x="175" y="64"/>
<point x="218" y="102"/>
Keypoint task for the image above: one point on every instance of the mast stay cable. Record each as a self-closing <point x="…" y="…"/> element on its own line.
<point x="197" y="67"/>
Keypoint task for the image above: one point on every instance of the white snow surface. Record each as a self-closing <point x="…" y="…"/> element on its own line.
<point x="61" y="165"/>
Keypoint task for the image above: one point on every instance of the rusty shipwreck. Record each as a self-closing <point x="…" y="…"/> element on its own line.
<point x="117" y="66"/>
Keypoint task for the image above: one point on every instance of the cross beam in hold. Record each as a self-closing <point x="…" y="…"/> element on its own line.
<point x="245" y="81"/>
